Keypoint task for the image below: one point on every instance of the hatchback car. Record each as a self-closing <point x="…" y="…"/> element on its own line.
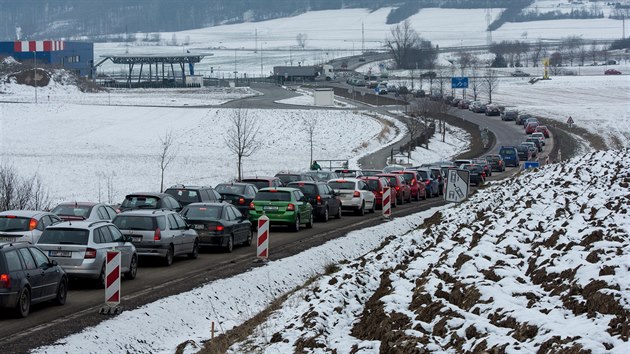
<point x="537" y="143"/>
<point x="80" y="247"/>
<point x="322" y="176"/>
<point x="283" y="206"/>
<point x="509" y="114"/>
<point x="438" y="174"/>
<point x="263" y="182"/>
<point x="492" y="110"/>
<point x="28" y="277"/>
<point x="322" y="198"/>
<point x="531" y="127"/>
<point x="377" y="186"/>
<point x="612" y="72"/>
<point x="237" y="194"/>
<point x="431" y="184"/>
<point x="287" y="178"/>
<point x="219" y="224"/>
<point x="477" y="176"/>
<point x="86" y="211"/>
<point x="510" y="155"/>
<point x="25" y="225"/>
<point x="524" y="153"/>
<point x="354" y="194"/>
<point x="150" y="201"/>
<point x="486" y="166"/>
<point x="158" y="233"/>
<point x="398" y="183"/>
<point x="497" y="163"/>
<point x="543" y="129"/>
<point x="540" y="136"/>
<point x="532" y="148"/>
<point x="193" y="194"/>
<point x="418" y="189"/>
<point x="522" y="118"/>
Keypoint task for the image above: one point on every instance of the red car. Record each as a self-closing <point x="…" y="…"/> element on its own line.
<point x="612" y="72"/>
<point x="417" y="189"/>
<point x="377" y="185"/>
<point x="403" y="192"/>
<point x="543" y="129"/>
<point x="531" y="127"/>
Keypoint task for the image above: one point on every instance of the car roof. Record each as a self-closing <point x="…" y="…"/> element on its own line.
<point x="260" y="178"/>
<point x="24" y="213"/>
<point x="350" y="179"/>
<point x="281" y="189"/>
<point x="207" y="204"/>
<point x="79" y="203"/>
<point x="147" y="194"/>
<point x="304" y="182"/>
<point x="78" y="224"/>
<point x="236" y="184"/>
<point x="181" y="186"/>
<point x="146" y="212"/>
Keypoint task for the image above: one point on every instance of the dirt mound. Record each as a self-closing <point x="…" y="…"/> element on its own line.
<point x="31" y="77"/>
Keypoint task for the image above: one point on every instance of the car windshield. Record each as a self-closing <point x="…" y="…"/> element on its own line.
<point x="212" y="212"/>
<point x="373" y="184"/>
<point x="306" y="188"/>
<point x="288" y="178"/>
<point x="423" y="174"/>
<point x="273" y="196"/>
<point x="393" y="181"/>
<point x="134" y="222"/>
<point x="140" y="202"/>
<point x="496" y="158"/>
<point x="230" y="188"/>
<point x="341" y="185"/>
<point x="370" y="173"/>
<point x="12" y="223"/>
<point x="258" y="183"/>
<point x="407" y="176"/>
<point x="507" y="152"/>
<point x="82" y="211"/>
<point x="60" y="236"/>
<point x="184" y="195"/>
<point x="321" y="175"/>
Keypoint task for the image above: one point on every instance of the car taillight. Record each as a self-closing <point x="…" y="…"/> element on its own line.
<point x="216" y="227"/>
<point x="241" y="201"/>
<point x="397" y="188"/>
<point x="5" y="281"/>
<point x="291" y="207"/>
<point x="427" y="181"/>
<point x="32" y="224"/>
<point x="319" y="199"/>
<point x="483" y="174"/>
<point x="251" y="206"/>
<point x="356" y="194"/>
<point x="90" y="253"/>
<point x="413" y="182"/>
<point x="157" y="235"/>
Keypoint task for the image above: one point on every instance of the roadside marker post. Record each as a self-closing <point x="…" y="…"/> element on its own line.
<point x="262" y="249"/>
<point x="112" y="284"/>
<point x="387" y="203"/>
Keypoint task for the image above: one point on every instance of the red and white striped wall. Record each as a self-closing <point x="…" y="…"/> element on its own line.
<point x="38" y="46"/>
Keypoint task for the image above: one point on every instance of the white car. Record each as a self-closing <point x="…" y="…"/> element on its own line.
<point x="540" y="137"/>
<point x="354" y="195"/>
<point x="25" y="225"/>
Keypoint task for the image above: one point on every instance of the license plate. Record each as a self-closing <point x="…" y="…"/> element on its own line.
<point x="8" y="239"/>
<point x="60" y="253"/>
<point x="137" y="238"/>
<point x="270" y="207"/>
<point x="199" y="226"/>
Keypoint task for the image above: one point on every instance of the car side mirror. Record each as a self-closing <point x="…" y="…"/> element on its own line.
<point x="52" y="263"/>
<point x="187" y="227"/>
<point x="303" y="199"/>
<point x="126" y="238"/>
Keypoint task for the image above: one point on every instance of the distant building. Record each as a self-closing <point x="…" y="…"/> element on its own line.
<point x="74" y="56"/>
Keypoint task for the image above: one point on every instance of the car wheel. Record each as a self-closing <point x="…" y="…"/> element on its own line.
<point x="24" y="303"/>
<point x="168" y="259"/>
<point x="425" y="194"/>
<point x="133" y="268"/>
<point x="418" y="196"/>
<point x="250" y="238"/>
<point x="296" y="224"/>
<point x="195" y="251"/>
<point x="361" y="210"/>
<point x="338" y="216"/>
<point x="394" y="202"/>
<point x="230" y="245"/>
<point x="62" y="292"/>
<point x="409" y="200"/>
<point x="309" y="224"/>
<point x="325" y="216"/>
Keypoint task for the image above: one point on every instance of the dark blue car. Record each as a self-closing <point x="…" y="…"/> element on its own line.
<point x="509" y="155"/>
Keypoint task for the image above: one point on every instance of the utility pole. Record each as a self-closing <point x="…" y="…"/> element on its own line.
<point x="35" y="72"/>
<point x="255" y="40"/>
<point x="362" y="38"/>
<point x="261" y="62"/>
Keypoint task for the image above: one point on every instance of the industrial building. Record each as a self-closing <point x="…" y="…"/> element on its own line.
<point x="74" y="56"/>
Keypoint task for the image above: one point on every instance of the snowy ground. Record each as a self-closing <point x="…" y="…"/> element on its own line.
<point x="526" y="260"/>
<point x="538" y="263"/>
<point x="456" y="141"/>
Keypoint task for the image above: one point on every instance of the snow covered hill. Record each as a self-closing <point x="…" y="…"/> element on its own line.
<point x="539" y="263"/>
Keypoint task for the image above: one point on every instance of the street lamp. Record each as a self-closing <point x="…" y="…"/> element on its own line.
<point x="35" y="72"/>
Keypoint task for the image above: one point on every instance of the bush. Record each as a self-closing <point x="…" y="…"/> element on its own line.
<point x="18" y="193"/>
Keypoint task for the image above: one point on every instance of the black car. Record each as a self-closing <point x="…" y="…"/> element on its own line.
<point x="477" y="176"/>
<point x="496" y="162"/>
<point x="522" y="118"/>
<point x="193" y="194"/>
<point x="150" y="201"/>
<point x="218" y="224"/>
<point x="321" y="197"/>
<point x="237" y="194"/>
<point x="523" y="153"/>
<point x="27" y="277"/>
<point x="492" y="110"/>
<point x="287" y="178"/>
<point x="509" y="114"/>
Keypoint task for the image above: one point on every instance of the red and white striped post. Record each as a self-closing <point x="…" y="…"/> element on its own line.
<point x="262" y="251"/>
<point x="112" y="284"/>
<point x="387" y="203"/>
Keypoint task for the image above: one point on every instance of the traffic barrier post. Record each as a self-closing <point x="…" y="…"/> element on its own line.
<point x="112" y="284"/>
<point x="262" y="250"/>
<point x="387" y="203"/>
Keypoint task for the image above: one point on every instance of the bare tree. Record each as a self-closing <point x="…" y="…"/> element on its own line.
<point x="301" y="39"/>
<point x="166" y="155"/>
<point x="537" y="52"/>
<point x="594" y="52"/>
<point x="241" y="138"/>
<point x="474" y="82"/>
<point x="490" y="82"/>
<point x="19" y="193"/>
<point x="403" y="39"/>
<point x="310" y="125"/>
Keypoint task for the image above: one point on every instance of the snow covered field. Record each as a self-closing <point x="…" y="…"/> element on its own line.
<point x="538" y="262"/>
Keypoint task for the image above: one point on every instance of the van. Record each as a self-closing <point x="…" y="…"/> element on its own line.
<point x="509" y="154"/>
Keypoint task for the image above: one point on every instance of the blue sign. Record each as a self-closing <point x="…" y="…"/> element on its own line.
<point x="531" y="164"/>
<point x="459" y="82"/>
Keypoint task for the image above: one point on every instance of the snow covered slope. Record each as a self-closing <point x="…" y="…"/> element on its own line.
<point x="539" y="263"/>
